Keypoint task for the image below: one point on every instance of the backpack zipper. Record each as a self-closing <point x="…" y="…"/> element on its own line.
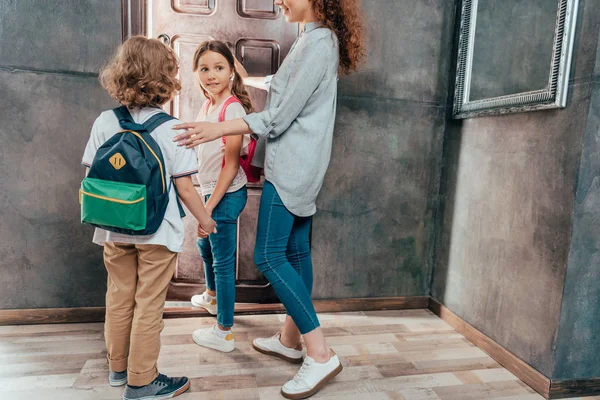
<point x="113" y="200"/>
<point x="162" y="174"/>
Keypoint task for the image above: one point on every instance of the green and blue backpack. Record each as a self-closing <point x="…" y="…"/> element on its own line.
<point x="126" y="189"/>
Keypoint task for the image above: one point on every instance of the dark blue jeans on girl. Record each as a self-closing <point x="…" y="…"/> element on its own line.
<point x="218" y="253"/>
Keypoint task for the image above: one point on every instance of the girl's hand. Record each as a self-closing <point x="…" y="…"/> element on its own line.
<point x="209" y="208"/>
<point x="197" y="133"/>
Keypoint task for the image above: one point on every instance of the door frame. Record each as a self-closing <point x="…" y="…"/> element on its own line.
<point x="133" y="18"/>
<point x="134" y="22"/>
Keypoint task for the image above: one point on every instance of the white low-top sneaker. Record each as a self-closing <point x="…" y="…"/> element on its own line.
<point x="209" y="337"/>
<point x="311" y="377"/>
<point x="272" y="346"/>
<point x="205" y="301"/>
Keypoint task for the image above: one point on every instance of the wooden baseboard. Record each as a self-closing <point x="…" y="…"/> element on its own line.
<point x="568" y="389"/>
<point x="51" y="315"/>
<point x="183" y="291"/>
<point x="512" y="363"/>
<point x="96" y="314"/>
<point x="550" y="389"/>
<point x="321" y="306"/>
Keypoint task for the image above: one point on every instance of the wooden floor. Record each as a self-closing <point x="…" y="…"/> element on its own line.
<point x="409" y="354"/>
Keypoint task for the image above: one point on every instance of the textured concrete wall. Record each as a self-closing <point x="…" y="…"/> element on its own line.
<point x="508" y="186"/>
<point x="50" y="53"/>
<point x="578" y="343"/>
<point x="373" y="233"/>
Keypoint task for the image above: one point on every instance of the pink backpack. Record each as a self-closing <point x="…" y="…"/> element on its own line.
<point x="252" y="173"/>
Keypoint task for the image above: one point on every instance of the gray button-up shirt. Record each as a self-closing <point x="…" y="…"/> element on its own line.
<point x="297" y="124"/>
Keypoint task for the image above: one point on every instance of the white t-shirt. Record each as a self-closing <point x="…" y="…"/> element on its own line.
<point x="179" y="162"/>
<point x="210" y="155"/>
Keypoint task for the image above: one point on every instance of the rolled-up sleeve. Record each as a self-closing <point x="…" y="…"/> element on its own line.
<point x="306" y="75"/>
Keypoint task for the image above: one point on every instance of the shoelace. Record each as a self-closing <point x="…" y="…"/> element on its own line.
<point x="300" y="375"/>
<point x="162" y="380"/>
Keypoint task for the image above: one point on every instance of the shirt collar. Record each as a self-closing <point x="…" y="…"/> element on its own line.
<point x="311" y="26"/>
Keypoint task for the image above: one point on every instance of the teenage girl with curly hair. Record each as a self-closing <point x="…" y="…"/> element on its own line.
<point x="297" y="131"/>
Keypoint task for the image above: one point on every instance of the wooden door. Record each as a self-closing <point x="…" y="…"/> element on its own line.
<point x="260" y="38"/>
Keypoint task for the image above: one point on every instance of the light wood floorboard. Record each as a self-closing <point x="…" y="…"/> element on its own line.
<point x="387" y="355"/>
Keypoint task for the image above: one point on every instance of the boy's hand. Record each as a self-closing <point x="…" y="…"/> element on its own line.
<point x="202" y="234"/>
<point x="207" y="227"/>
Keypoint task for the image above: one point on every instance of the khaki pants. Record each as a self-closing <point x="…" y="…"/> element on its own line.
<point x="138" y="278"/>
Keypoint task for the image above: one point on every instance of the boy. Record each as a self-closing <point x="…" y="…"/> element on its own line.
<point x="142" y="76"/>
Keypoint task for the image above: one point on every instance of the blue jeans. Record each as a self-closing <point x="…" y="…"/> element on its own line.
<point x="218" y="253"/>
<point x="282" y="254"/>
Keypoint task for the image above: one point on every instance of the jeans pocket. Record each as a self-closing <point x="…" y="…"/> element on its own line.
<point x="236" y="202"/>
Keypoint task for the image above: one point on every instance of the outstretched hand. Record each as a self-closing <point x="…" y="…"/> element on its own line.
<point x="197" y="133"/>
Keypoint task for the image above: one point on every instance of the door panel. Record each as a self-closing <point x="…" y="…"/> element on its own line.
<point x="198" y="7"/>
<point x="188" y="103"/>
<point x="246" y="240"/>
<point x="260" y="9"/>
<point x="260" y="38"/>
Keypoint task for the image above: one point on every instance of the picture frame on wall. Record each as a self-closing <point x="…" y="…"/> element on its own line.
<point x="513" y="56"/>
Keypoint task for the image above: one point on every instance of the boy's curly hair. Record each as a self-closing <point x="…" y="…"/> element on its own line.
<point x="142" y="73"/>
<point x="345" y="18"/>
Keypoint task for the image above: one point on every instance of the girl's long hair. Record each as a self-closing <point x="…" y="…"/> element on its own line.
<point x="345" y="18"/>
<point x="237" y="88"/>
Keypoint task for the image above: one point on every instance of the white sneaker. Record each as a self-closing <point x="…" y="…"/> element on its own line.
<point x="272" y="346"/>
<point x="205" y="301"/>
<point x="311" y="377"/>
<point x="209" y="337"/>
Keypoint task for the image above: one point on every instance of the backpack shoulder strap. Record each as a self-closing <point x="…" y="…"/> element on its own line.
<point x="123" y="114"/>
<point x="179" y="206"/>
<point x="126" y="120"/>
<point x="230" y="100"/>
<point x="156" y="120"/>
<point x="150" y="125"/>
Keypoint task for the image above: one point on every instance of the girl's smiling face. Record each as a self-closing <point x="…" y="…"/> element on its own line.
<point x="295" y="10"/>
<point x="214" y="72"/>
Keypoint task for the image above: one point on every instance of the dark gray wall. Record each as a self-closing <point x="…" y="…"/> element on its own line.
<point x="50" y="53"/>
<point x="578" y="343"/>
<point x="373" y="233"/>
<point x="508" y="187"/>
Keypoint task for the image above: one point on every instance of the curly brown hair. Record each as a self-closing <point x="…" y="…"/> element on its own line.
<point x="142" y="73"/>
<point x="345" y="18"/>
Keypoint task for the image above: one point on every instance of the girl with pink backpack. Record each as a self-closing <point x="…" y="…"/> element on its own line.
<point x="223" y="171"/>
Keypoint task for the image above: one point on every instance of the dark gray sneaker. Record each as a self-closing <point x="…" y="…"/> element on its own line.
<point x="117" y="378"/>
<point x="162" y="387"/>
